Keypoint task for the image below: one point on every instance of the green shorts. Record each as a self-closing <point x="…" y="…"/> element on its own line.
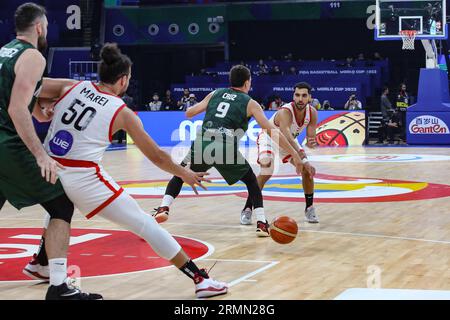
<point x="21" y="182"/>
<point x="226" y="158"/>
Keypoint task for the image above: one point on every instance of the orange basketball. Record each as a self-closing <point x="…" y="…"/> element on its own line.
<point x="283" y="229"/>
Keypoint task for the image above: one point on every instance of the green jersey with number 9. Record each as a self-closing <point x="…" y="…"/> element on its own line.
<point x="227" y="109"/>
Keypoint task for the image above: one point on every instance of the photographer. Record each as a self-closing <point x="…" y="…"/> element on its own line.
<point x="353" y="103"/>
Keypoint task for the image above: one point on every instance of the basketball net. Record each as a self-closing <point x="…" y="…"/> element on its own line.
<point x="408" y="37"/>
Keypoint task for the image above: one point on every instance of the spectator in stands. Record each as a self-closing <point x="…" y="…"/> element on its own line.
<point x="292" y="71"/>
<point x="288" y="57"/>
<point x="275" y="104"/>
<point x="275" y="70"/>
<point x="385" y="104"/>
<point x="243" y="63"/>
<point x="168" y="103"/>
<point x="326" y="105"/>
<point x="314" y="102"/>
<point x="155" y="104"/>
<point x="129" y="101"/>
<point x="191" y="102"/>
<point x="348" y="62"/>
<point x="361" y="57"/>
<point x="262" y="68"/>
<point x="353" y="103"/>
<point x="184" y="99"/>
<point x="377" y="56"/>
<point x="203" y="72"/>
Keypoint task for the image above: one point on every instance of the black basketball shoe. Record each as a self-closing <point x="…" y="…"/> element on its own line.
<point x="67" y="291"/>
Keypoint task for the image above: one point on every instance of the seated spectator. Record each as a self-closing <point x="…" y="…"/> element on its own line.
<point x="361" y="57"/>
<point x="377" y="56"/>
<point x="349" y="62"/>
<point x="191" y="102"/>
<point x="203" y="72"/>
<point x="155" y="104"/>
<point x="292" y="70"/>
<point x="168" y="103"/>
<point x="243" y="63"/>
<point x="276" y="71"/>
<point x="353" y="103"/>
<point x="288" y="57"/>
<point x="129" y="101"/>
<point x="275" y="104"/>
<point x="326" y="105"/>
<point x="184" y="99"/>
<point x="261" y="68"/>
<point x="315" y="103"/>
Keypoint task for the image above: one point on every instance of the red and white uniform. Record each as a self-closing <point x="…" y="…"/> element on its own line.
<point x="79" y="134"/>
<point x="266" y="147"/>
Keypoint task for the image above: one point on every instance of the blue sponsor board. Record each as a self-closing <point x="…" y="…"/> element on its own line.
<point x="428" y="121"/>
<point x="428" y="127"/>
<point x="170" y="128"/>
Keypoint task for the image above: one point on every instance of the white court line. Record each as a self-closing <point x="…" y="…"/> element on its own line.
<point x="356" y="234"/>
<point x="251" y="274"/>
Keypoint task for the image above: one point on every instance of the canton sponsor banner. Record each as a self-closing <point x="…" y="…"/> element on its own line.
<point x="428" y="125"/>
<point x="177" y="130"/>
<point x="428" y="128"/>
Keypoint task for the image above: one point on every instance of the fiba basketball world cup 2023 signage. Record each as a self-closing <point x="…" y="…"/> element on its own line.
<point x="334" y="128"/>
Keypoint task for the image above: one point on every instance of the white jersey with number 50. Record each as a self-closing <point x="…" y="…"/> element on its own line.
<point x="81" y="128"/>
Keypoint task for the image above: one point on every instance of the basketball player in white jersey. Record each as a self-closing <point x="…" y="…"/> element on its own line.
<point x="86" y="116"/>
<point x="291" y="119"/>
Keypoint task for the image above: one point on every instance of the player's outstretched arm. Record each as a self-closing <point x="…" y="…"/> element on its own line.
<point x="128" y="121"/>
<point x="255" y="110"/>
<point x="199" y="107"/>
<point x="55" y="87"/>
<point x="28" y="69"/>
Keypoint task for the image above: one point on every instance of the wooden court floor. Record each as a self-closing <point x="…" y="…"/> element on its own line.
<point x="401" y="242"/>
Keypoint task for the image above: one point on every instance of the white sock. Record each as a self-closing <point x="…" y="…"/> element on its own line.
<point x="58" y="271"/>
<point x="166" y="201"/>
<point x="260" y="216"/>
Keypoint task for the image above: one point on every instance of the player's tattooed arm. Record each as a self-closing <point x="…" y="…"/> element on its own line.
<point x="199" y="107"/>
<point x="311" y="130"/>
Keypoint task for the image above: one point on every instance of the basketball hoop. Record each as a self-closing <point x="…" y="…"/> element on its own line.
<point x="408" y="37"/>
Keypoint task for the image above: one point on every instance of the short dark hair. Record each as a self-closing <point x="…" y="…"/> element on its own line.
<point x="114" y="63"/>
<point x="238" y="75"/>
<point x="303" y="85"/>
<point x="26" y="14"/>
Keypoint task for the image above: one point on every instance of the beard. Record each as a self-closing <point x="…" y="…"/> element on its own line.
<point x="299" y="106"/>
<point x="42" y="44"/>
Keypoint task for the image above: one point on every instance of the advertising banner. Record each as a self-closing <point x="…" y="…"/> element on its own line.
<point x="335" y="128"/>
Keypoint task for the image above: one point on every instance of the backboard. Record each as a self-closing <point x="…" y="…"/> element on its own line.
<point x="424" y="16"/>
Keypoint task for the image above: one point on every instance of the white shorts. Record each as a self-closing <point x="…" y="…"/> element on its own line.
<point x="88" y="186"/>
<point x="268" y="149"/>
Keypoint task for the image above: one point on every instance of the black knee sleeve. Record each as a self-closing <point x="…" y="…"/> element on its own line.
<point x="254" y="192"/>
<point x="60" y="208"/>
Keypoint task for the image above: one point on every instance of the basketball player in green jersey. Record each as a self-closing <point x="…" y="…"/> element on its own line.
<point x="226" y="120"/>
<point x="27" y="173"/>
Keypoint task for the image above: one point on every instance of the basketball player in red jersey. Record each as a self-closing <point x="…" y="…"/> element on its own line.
<point x="291" y="119"/>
